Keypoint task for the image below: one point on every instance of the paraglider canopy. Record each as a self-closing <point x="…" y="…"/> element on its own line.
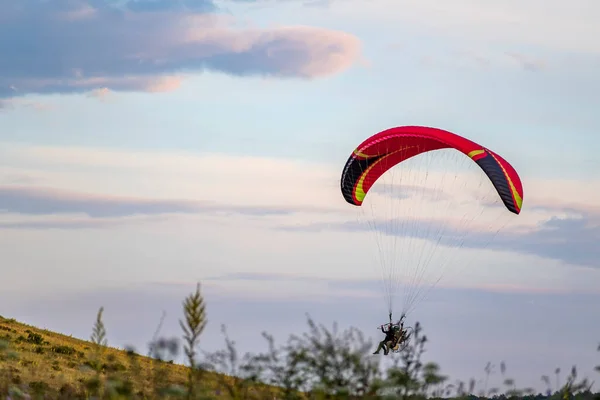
<point x="421" y="192"/>
<point x="373" y="157"/>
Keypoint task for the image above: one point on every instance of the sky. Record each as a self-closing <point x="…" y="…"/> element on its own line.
<point x="149" y="145"/>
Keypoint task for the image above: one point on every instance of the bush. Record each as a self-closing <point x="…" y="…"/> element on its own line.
<point x="67" y="350"/>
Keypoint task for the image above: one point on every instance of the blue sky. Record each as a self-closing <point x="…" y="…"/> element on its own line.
<point x="149" y="145"/>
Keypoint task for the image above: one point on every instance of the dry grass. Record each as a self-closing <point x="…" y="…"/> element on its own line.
<point x="38" y="357"/>
<point x="36" y="361"/>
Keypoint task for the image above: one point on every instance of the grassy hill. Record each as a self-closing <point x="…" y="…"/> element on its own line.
<point x="53" y="363"/>
<point x="37" y="363"/>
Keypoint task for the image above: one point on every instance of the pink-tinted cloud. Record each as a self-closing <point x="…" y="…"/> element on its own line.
<point x="64" y="224"/>
<point x="22" y="103"/>
<point x="47" y="201"/>
<point x="572" y="207"/>
<point x="69" y="46"/>
<point x="101" y="93"/>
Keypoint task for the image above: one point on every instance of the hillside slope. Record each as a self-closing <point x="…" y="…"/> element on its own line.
<point x="36" y="361"/>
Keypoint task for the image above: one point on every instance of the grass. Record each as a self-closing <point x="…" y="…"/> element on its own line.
<point x="37" y="361"/>
<point x="39" y="358"/>
<point x="319" y="364"/>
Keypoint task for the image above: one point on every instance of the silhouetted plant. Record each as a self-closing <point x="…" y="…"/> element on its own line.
<point x="195" y="322"/>
<point x="489" y="370"/>
<point x="236" y="375"/>
<point x="98" y="338"/>
<point x="557" y="374"/>
<point x="573" y="387"/>
<point x="597" y="368"/>
<point x="546" y="380"/>
<point x="333" y="363"/>
<point x="280" y="367"/>
<point x="434" y="380"/>
<point x="512" y="390"/>
<point x="163" y="351"/>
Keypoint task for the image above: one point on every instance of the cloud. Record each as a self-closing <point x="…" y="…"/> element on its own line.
<point x="71" y="46"/>
<point x="372" y="287"/>
<point x="305" y="3"/>
<point x="551" y="24"/>
<point x="100" y="93"/>
<point x="225" y="179"/>
<point x="572" y="239"/>
<point x="65" y="224"/>
<point x="203" y="6"/>
<point x="526" y="62"/>
<point x="37" y="201"/>
<point x="486" y="58"/>
<point x="43" y="202"/>
<point x="550" y="226"/>
<point x="10" y="103"/>
<point x="270" y="277"/>
<point x="12" y="178"/>
<point x="407" y="191"/>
